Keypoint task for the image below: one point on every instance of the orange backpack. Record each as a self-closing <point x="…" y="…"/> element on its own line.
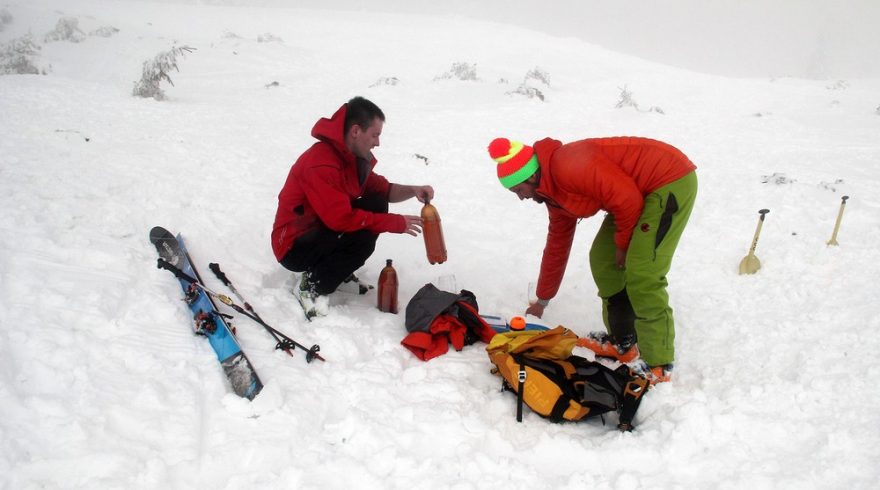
<point x="538" y="366"/>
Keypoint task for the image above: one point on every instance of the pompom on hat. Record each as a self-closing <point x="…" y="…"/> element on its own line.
<point x="515" y="161"/>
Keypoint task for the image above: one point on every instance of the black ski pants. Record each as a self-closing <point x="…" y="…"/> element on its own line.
<point x="330" y="256"/>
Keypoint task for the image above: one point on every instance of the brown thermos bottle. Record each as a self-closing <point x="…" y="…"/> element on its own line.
<point x="388" y="289"/>
<point x="433" y="233"/>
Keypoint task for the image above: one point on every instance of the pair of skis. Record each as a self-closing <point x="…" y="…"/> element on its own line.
<point x="214" y="325"/>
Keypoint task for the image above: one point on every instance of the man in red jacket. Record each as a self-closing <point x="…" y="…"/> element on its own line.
<point x="648" y="189"/>
<point x="333" y="206"/>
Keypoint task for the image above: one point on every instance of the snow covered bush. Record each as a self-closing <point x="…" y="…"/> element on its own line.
<point x="626" y="100"/>
<point x="5" y="18"/>
<point x="106" y="31"/>
<point x="831" y="186"/>
<point x="67" y="29"/>
<point x="777" y="178"/>
<point x="877" y="110"/>
<point x="530" y="92"/>
<point x="526" y="87"/>
<point x="538" y="75"/>
<point x="461" y="71"/>
<point x="269" y="38"/>
<point x="17" y="57"/>
<point x="386" y="81"/>
<point x="156" y="70"/>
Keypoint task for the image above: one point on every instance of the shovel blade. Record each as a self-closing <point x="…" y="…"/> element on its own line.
<point x="749" y="265"/>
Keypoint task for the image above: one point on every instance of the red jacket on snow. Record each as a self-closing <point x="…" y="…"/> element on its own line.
<point x="580" y="178"/>
<point x="321" y="186"/>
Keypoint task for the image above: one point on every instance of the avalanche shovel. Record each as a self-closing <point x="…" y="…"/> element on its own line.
<point x="833" y="240"/>
<point x="750" y="264"/>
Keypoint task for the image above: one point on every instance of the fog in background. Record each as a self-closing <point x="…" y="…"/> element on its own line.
<point x="746" y="38"/>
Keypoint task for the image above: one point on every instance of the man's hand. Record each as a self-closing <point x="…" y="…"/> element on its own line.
<point x="413" y="225"/>
<point x="535" y="309"/>
<point x="400" y="192"/>
<point x="423" y="193"/>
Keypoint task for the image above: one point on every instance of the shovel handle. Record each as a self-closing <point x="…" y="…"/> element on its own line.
<point x="763" y="213"/>
<point x="833" y="240"/>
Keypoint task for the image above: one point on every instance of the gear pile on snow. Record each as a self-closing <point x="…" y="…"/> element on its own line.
<point x="435" y="319"/>
<point x="539" y="368"/>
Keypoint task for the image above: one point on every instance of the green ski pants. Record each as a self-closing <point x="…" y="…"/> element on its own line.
<point x="634" y="299"/>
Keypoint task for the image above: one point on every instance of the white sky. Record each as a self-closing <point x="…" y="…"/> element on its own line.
<point x="743" y="38"/>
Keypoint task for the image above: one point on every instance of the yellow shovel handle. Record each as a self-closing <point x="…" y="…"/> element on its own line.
<point x="762" y="212"/>
<point x="833" y="240"/>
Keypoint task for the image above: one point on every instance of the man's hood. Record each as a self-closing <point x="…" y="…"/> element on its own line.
<point x="332" y="131"/>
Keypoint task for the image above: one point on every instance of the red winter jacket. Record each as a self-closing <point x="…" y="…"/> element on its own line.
<point x="580" y="178"/>
<point x="321" y="186"/>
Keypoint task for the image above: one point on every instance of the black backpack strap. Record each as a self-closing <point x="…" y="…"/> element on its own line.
<point x="521" y="378"/>
<point x="558" y="413"/>
<point x="633" y="392"/>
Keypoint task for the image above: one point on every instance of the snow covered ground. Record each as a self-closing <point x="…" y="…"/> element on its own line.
<point x="103" y="385"/>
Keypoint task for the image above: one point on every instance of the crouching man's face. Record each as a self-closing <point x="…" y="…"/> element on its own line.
<point x="528" y="190"/>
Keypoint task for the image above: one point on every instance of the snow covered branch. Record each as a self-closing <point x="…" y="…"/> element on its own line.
<point x="156" y="70"/>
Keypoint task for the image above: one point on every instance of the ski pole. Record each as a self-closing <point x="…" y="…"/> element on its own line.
<point x="833" y="240"/>
<point x="286" y="343"/>
<point x="215" y="268"/>
<point x="281" y="344"/>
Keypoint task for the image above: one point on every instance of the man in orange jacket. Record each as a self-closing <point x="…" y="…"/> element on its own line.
<point x="648" y="189"/>
<point x="333" y="206"/>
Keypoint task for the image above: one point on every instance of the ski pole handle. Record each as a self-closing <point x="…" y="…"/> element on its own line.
<point x="226" y="300"/>
<point x="215" y="268"/>
<point x="164" y="264"/>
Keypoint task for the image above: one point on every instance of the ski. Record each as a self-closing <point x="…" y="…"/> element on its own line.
<point x="208" y="321"/>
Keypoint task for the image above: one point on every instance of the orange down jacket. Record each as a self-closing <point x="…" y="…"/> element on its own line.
<point x="321" y="186"/>
<point x="612" y="174"/>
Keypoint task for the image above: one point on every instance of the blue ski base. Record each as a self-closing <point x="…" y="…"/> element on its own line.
<point x="236" y="365"/>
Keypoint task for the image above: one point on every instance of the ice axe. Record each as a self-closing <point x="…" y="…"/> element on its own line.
<point x="750" y="264"/>
<point x="833" y="240"/>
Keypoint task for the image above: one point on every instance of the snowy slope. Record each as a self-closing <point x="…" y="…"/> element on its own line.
<point x="104" y="386"/>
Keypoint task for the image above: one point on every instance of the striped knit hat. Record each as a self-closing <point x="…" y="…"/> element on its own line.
<point x="516" y="161"/>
